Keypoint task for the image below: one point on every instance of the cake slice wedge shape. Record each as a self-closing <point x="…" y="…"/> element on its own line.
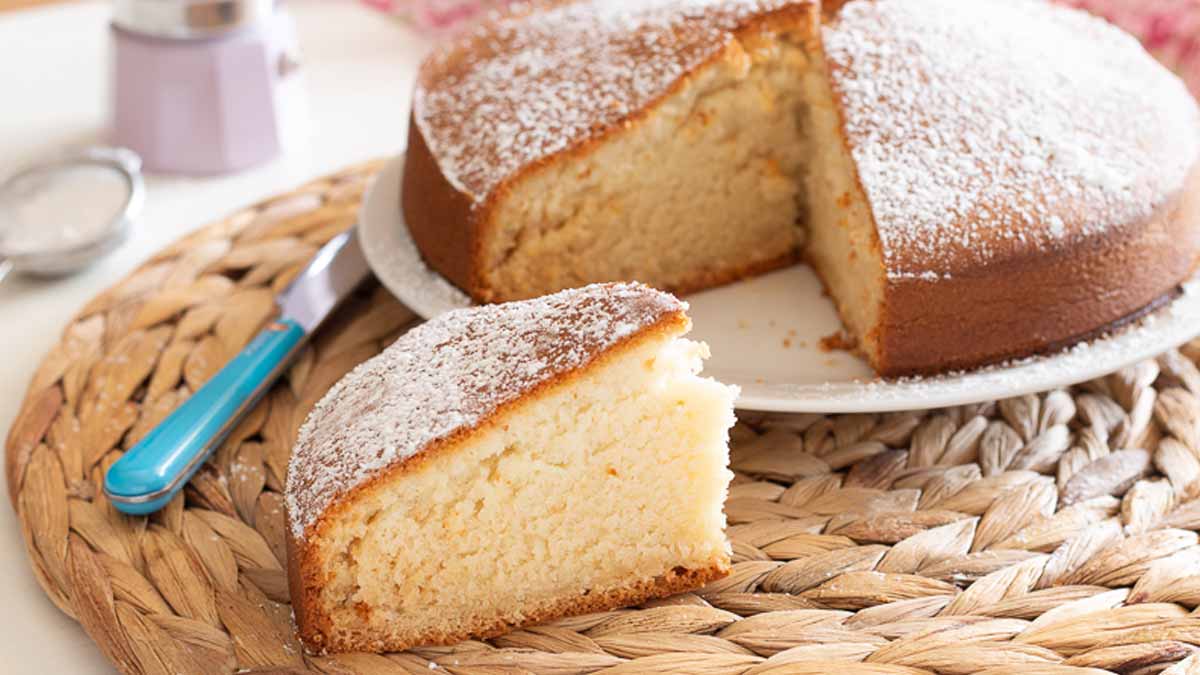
<point x="507" y="465"/>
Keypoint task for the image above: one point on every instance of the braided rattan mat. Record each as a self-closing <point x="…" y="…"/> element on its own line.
<point x="1043" y="534"/>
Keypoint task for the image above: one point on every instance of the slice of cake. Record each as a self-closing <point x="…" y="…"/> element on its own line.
<point x="973" y="180"/>
<point x="507" y="465"/>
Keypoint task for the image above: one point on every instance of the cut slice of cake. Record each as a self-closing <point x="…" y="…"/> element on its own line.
<point x="507" y="465"/>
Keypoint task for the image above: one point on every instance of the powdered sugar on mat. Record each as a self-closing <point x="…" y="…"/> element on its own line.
<point x="983" y="127"/>
<point x="450" y="374"/>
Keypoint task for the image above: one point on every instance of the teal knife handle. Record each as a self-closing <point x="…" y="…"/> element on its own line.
<point x="155" y="469"/>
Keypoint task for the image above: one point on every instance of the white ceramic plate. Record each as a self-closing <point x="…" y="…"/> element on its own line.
<point x="765" y="333"/>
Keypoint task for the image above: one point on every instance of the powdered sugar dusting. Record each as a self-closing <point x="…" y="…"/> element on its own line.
<point x="983" y="128"/>
<point x="533" y="84"/>
<point x="451" y="374"/>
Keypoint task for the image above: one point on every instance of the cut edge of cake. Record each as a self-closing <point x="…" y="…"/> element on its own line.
<point x="841" y="245"/>
<point x="666" y="454"/>
<point x="774" y="61"/>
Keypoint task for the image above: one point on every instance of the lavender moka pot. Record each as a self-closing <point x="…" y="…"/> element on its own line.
<point x="204" y="86"/>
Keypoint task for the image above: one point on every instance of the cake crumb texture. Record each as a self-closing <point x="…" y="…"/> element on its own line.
<point x="449" y="374"/>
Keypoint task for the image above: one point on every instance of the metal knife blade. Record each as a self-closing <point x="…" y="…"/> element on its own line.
<point x="333" y="273"/>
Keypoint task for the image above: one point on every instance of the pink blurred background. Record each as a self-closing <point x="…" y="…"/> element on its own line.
<point x="1170" y="29"/>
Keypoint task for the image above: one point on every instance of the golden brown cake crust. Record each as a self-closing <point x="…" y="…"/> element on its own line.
<point x="315" y="505"/>
<point x="1025" y="308"/>
<point x="448" y="203"/>
<point x="1026" y="214"/>
<point x="441" y="219"/>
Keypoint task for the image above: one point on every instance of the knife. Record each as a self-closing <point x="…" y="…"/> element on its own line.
<point x="155" y="469"/>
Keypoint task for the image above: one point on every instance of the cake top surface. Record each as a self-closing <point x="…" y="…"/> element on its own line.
<point x="983" y="129"/>
<point x="450" y="374"/>
<point x="549" y="75"/>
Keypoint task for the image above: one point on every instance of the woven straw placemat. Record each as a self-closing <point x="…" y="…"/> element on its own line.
<point x="1042" y="534"/>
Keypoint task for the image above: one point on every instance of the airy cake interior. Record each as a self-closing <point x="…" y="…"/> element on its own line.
<point x="735" y="173"/>
<point x="842" y="244"/>
<point x="609" y="485"/>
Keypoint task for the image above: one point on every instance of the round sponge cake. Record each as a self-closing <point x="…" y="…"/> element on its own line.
<point x="974" y="181"/>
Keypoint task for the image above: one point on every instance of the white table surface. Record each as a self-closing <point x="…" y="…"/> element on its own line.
<point x="53" y="75"/>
